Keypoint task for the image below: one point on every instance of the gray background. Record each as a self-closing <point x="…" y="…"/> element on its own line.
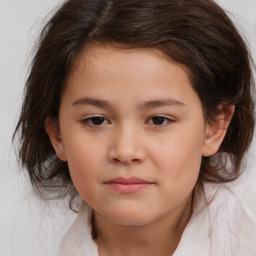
<point x="27" y="226"/>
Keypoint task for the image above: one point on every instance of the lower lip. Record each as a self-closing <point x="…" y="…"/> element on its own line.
<point x="129" y="188"/>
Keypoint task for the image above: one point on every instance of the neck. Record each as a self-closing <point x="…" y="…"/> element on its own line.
<point x="160" y="237"/>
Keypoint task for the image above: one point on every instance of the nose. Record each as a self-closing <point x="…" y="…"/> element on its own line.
<point x="127" y="147"/>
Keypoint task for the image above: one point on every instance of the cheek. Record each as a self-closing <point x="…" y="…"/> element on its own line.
<point x="178" y="160"/>
<point x="178" y="172"/>
<point x="84" y="158"/>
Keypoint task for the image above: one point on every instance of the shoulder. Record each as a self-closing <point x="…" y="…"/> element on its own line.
<point x="248" y="221"/>
<point x="232" y="215"/>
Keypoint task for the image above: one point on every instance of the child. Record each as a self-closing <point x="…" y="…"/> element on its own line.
<point x="145" y="109"/>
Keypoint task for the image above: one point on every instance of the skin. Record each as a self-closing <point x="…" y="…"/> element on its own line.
<point x="125" y="139"/>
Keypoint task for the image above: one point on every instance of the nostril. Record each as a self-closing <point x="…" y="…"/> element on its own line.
<point x="116" y="160"/>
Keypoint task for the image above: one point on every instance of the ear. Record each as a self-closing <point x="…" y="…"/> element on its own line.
<point x="52" y="129"/>
<point x="216" y="130"/>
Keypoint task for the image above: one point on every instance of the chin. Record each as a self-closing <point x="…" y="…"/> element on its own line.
<point x="129" y="217"/>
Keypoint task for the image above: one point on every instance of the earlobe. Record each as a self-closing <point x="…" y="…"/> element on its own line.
<point x="216" y="130"/>
<point x="52" y="129"/>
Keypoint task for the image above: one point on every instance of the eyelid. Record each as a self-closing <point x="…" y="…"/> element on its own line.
<point x="88" y="119"/>
<point x="85" y="120"/>
<point x="168" y="118"/>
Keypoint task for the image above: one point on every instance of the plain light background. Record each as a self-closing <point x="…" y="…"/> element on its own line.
<point x="29" y="227"/>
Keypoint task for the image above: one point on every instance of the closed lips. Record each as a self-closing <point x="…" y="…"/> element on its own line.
<point x="126" y="181"/>
<point x="128" y="185"/>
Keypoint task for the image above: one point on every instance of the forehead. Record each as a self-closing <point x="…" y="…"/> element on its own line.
<point x="116" y="60"/>
<point x="115" y="53"/>
<point x="114" y="72"/>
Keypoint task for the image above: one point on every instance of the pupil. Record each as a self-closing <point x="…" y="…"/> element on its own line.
<point x="158" y="120"/>
<point x="97" y="120"/>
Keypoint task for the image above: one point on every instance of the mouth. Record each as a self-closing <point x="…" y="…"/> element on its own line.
<point x="128" y="185"/>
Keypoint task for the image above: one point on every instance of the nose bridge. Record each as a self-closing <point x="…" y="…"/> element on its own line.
<point x="127" y="146"/>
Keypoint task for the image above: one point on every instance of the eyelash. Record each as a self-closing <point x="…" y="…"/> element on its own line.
<point x="89" y="121"/>
<point x="166" y="120"/>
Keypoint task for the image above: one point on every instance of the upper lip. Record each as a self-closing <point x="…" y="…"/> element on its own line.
<point x="130" y="180"/>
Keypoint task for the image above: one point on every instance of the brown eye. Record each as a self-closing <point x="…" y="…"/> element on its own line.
<point x="159" y="120"/>
<point x="95" y="121"/>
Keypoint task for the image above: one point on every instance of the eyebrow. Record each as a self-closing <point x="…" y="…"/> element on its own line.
<point x="91" y="101"/>
<point x="143" y="106"/>
<point x="160" y="103"/>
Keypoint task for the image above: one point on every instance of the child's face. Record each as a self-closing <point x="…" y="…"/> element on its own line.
<point x="131" y="114"/>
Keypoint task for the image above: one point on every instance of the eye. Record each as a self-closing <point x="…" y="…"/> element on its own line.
<point x="95" y="121"/>
<point x="159" y="120"/>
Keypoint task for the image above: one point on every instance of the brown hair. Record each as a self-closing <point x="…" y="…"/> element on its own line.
<point x="196" y="33"/>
